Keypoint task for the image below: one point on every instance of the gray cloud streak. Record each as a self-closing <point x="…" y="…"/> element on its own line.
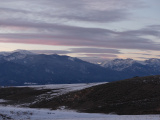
<point x="95" y="50"/>
<point x="81" y="10"/>
<point x="93" y="37"/>
<point x="50" y="51"/>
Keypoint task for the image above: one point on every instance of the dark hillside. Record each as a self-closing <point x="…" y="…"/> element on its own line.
<point x="20" y="96"/>
<point x="139" y="95"/>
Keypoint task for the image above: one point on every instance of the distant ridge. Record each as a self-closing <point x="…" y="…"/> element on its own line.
<point x="122" y="64"/>
<point x="130" y="68"/>
<point x="22" y="67"/>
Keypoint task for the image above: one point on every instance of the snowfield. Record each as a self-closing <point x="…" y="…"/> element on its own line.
<point x="21" y="113"/>
<point x="65" y="87"/>
<point x="15" y="113"/>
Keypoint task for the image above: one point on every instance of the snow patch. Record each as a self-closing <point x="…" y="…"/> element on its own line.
<point x="29" y="83"/>
<point x="3" y="101"/>
<point x="71" y="58"/>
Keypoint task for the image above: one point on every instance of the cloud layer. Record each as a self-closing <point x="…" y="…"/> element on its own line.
<point x="76" y="23"/>
<point x="91" y="37"/>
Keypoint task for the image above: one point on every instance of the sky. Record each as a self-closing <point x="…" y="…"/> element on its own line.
<point x="93" y="30"/>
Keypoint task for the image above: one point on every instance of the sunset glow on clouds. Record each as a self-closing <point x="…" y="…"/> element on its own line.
<point x="89" y="29"/>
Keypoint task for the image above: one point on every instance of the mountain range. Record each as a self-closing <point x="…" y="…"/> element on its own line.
<point x="23" y="67"/>
<point x="122" y="64"/>
<point x="132" y="68"/>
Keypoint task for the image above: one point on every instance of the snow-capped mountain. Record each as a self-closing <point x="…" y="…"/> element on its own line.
<point x="25" y="52"/>
<point x="15" y="55"/>
<point x="20" y="67"/>
<point x="123" y="64"/>
<point x="128" y="68"/>
<point x="153" y="62"/>
<point x="118" y="64"/>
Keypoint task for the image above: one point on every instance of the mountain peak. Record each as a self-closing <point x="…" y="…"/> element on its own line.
<point x="122" y="64"/>
<point x="118" y="64"/>
<point x="153" y="61"/>
<point x="25" y="52"/>
<point x="22" y="51"/>
<point x="15" y="55"/>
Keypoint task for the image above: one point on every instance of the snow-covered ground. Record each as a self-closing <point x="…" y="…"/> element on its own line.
<point x="65" y="87"/>
<point x="2" y="101"/>
<point x="15" y="113"/>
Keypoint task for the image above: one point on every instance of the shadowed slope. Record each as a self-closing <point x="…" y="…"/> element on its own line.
<point x="139" y="95"/>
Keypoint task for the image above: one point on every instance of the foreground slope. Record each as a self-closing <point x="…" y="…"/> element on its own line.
<point x="27" y="95"/>
<point x="139" y="95"/>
